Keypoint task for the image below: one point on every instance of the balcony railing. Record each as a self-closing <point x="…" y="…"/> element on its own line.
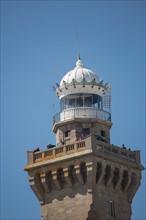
<point x="103" y="149"/>
<point x="82" y="112"/>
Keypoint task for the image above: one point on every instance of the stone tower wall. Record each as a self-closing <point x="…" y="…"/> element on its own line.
<point x="85" y="181"/>
<point x="72" y="205"/>
<point x="76" y="130"/>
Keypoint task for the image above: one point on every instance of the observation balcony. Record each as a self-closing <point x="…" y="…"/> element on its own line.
<point x="87" y="146"/>
<point x="81" y="112"/>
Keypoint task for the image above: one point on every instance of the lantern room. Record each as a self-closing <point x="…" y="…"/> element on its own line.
<point x="83" y="94"/>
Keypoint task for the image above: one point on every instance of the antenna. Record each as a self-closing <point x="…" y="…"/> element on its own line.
<point x="77" y="41"/>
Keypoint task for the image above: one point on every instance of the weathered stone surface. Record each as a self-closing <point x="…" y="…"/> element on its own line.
<point x="85" y="181"/>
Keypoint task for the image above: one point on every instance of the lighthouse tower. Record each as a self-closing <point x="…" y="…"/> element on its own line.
<point x="84" y="176"/>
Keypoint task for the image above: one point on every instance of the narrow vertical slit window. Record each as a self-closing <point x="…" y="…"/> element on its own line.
<point x="67" y="133"/>
<point x="103" y="133"/>
<point x="112" y="208"/>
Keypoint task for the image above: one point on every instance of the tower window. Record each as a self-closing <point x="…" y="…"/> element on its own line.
<point x="112" y="208"/>
<point x="103" y="133"/>
<point x="86" y="131"/>
<point x="67" y="133"/>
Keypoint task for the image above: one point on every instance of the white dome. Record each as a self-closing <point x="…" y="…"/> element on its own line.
<point x="79" y="73"/>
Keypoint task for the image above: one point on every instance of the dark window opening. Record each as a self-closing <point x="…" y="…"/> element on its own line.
<point x="67" y="133"/>
<point x="86" y="131"/>
<point x="112" y="208"/>
<point x="103" y="133"/>
<point x="88" y="101"/>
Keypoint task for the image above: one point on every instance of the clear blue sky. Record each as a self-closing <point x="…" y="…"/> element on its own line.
<point x="38" y="46"/>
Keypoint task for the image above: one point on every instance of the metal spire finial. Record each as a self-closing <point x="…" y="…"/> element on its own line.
<point x="77" y="40"/>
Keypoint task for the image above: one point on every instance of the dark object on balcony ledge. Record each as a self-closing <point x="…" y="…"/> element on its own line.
<point x="37" y="149"/>
<point x="50" y="146"/>
<point x="99" y="138"/>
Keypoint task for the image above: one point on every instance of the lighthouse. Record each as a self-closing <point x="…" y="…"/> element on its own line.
<point x="84" y="176"/>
